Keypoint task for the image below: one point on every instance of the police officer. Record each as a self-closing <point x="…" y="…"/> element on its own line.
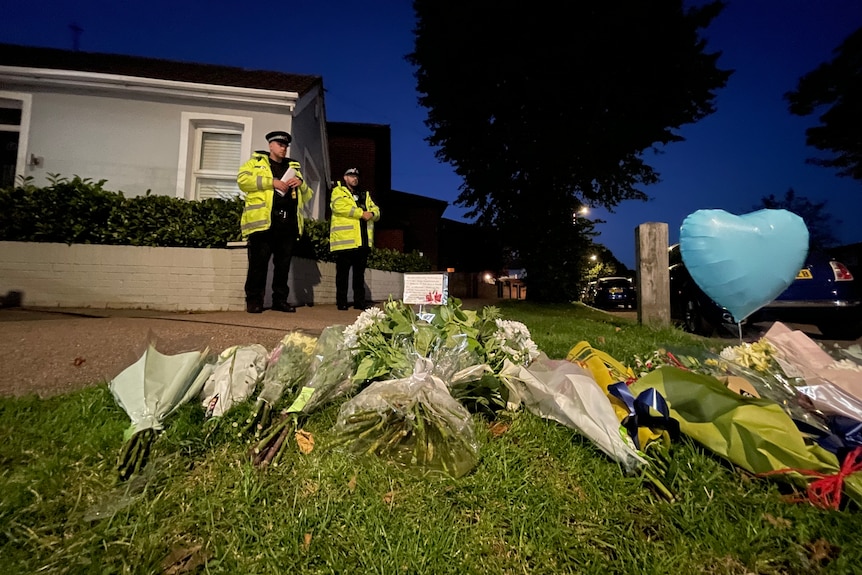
<point x="272" y="219"/>
<point x="351" y="235"/>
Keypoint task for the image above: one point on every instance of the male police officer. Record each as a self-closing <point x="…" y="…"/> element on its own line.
<point x="271" y="220"/>
<point x="351" y="235"/>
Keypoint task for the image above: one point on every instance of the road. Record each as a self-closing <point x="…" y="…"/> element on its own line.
<point x="754" y="331"/>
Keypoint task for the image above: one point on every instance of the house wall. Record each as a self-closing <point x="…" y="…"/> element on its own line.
<point x="131" y="144"/>
<point x="170" y="279"/>
<point x="134" y="142"/>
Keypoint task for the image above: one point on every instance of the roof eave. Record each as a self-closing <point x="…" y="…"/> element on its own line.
<point x="112" y="84"/>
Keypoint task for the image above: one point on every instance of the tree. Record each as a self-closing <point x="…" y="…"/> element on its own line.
<point x="600" y="262"/>
<point x="837" y="87"/>
<point x="549" y="107"/>
<point x="818" y="222"/>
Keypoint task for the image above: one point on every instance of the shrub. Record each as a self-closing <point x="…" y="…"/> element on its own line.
<point x="81" y="211"/>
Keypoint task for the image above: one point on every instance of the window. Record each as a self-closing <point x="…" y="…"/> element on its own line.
<point x="218" y="157"/>
<point x="212" y="148"/>
<point x="14" y="122"/>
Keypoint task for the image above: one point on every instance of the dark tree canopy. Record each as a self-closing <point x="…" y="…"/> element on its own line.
<point x="551" y="106"/>
<point x="819" y="223"/>
<point x="836" y="88"/>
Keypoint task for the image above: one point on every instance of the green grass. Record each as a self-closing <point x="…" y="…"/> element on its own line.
<point x="542" y="499"/>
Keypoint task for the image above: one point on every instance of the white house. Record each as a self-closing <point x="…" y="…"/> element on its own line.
<point x="175" y="128"/>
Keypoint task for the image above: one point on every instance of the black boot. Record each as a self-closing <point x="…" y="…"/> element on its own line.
<point x="253" y="307"/>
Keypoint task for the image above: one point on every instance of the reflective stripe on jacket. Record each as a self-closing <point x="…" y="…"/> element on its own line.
<point x="345" y="232"/>
<point x="255" y="181"/>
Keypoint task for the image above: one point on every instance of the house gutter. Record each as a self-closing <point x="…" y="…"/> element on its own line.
<point x="118" y="85"/>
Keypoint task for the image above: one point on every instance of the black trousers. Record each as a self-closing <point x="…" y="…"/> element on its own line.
<point x="357" y="259"/>
<point x="272" y="243"/>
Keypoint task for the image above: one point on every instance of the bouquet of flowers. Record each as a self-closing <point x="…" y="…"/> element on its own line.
<point x="749" y="369"/>
<point x="753" y="433"/>
<point x="331" y="372"/>
<point x="237" y="371"/>
<point x="821" y="409"/>
<point x="328" y="377"/>
<point x="149" y="390"/>
<point x="286" y="368"/>
<point x="379" y="341"/>
<point x="512" y="342"/>
<point x="564" y="392"/>
<point x="467" y="348"/>
<point x="413" y="421"/>
<point x="833" y="384"/>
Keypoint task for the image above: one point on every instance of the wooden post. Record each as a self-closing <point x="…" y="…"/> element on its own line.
<point x="653" y="279"/>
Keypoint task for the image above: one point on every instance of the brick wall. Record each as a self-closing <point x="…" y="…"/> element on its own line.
<point x="170" y="279"/>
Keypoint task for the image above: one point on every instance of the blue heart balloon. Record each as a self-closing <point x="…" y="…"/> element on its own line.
<point x="743" y="262"/>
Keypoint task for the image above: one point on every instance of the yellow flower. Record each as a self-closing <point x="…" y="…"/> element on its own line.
<point x="302" y="341"/>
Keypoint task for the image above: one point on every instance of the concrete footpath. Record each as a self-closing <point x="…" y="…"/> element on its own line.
<point x="51" y="351"/>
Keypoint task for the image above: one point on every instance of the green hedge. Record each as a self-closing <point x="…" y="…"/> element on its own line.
<point x="81" y="211"/>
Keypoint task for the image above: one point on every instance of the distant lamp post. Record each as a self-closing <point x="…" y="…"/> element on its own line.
<point x="594" y="258"/>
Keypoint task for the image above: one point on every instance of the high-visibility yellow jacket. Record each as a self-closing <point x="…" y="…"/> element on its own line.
<point x="255" y="180"/>
<point x="345" y="231"/>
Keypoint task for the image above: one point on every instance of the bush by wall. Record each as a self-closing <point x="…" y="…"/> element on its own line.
<point x="81" y="211"/>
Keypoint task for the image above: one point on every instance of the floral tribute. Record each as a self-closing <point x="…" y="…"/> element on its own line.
<point x="734" y="401"/>
<point x="385" y="344"/>
<point x="422" y="375"/>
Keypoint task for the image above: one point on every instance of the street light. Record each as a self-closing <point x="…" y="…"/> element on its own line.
<point x="581" y="212"/>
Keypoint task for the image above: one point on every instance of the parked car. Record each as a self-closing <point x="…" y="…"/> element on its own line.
<point x="611" y="292"/>
<point x="824" y="294"/>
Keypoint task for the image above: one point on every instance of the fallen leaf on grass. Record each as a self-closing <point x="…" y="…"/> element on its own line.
<point x="821" y="550"/>
<point x="306" y="540"/>
<point x="310" y="488"/>
<point x="777" y="521"/>
<point x="601" y="339"/>
<point x="579" y="492"/>
<point x="499" y="428"/>
<point x="389" y="498"/>
<point x="181" y="561"/>
<point x="305" y="441"/>
<point x="351" y="485"/>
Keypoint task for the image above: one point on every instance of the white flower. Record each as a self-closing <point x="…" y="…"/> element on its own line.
<point x="758" y="355"/>
<point x="728" y="353"/>
<point x="512" y="338"/>
<point x="846" y="364"/>
<point x="366" y="321"/>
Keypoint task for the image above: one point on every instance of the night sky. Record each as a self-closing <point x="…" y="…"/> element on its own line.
<point x="750" y="148"/>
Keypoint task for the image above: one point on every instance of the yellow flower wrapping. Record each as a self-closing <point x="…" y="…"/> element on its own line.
<point x="606" y="371"/>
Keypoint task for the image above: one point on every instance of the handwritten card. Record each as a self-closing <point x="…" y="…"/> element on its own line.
<point x="426" y="289"/>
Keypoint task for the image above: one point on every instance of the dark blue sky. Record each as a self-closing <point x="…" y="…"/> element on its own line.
<point x="750" y="148"/>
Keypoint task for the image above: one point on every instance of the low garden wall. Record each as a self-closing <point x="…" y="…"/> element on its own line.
<point x="170" y="279"/>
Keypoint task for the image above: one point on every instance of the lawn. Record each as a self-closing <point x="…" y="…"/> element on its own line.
<point x="542" y="498"/>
